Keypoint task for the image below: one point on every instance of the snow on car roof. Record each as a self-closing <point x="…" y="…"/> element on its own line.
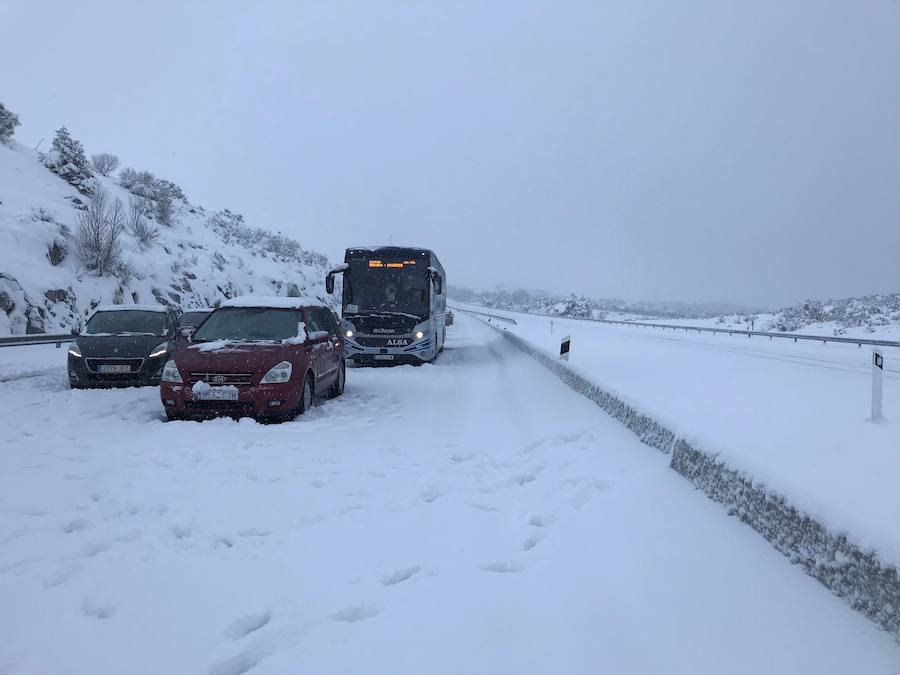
<point x="137" y="308"/>
<point x="275" y="302"/>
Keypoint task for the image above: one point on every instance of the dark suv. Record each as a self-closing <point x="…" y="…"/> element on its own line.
<point x="256" y="357"/>
<point x="123" y="346"/>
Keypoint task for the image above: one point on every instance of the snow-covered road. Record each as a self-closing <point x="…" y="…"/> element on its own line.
<point x="472" y="516"/>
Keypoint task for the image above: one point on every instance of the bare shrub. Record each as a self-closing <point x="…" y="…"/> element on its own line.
<point x="43" y="215"/>
<point x="165" y="210"/>
<point x="141" y="229"/>
<point x="104" y="163"/>
<point x="100" y="228"/>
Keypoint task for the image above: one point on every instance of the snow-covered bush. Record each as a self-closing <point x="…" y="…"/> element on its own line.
<point x="99" y="232"/>
<point x="42" y="215"/>
<point x="104" y="163"/>
<point x="144" y="232"/>
<point x="67" y="160"/>
<point x="869" y="312"/>
<point x="8" y="123"/>
<point x="165" y="210"/>
<point x="145" y="184"/>
<point x="232" y="229"/>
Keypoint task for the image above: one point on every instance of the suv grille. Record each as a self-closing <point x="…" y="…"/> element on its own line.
<point x="223" y="379"/>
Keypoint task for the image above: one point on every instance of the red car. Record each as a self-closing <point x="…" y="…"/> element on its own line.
<point x="267" y="358"/>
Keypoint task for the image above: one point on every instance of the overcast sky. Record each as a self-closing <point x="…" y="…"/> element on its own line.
<point x="691" y="150"/>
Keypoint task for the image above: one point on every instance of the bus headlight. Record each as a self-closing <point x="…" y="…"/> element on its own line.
<point x="419" y="335"/>
<point x="349" y="333"/>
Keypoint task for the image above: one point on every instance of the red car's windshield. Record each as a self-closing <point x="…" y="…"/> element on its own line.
<point x="249" y="324"/>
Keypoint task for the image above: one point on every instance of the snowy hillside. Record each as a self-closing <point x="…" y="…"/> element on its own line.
<point x="583" y="307"/>
<point x="871" y="315"/>
<point x="200" y="259"/>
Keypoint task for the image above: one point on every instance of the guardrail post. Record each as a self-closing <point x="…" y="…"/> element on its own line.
<point x="877" y="384"/>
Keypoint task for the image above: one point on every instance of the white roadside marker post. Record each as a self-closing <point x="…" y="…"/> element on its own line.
<point x="564" y="348"/>
<point x="877" y="384"/>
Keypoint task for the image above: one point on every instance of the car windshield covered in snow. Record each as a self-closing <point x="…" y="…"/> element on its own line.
<point x="126" y="322"/>
<point x="249" y="324"/>
<point x="384" y="289"/>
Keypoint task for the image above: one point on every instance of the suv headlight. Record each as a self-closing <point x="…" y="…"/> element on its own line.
<point x="278" y="374"/>
<point x="74" y="350"/>
<point x="159" y="350"/>
<point x="170" y="373"/>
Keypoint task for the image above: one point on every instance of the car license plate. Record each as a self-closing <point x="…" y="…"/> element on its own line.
<point x="218" y="394"/>
<point x="114" y="368"/>
<point x="384" y="357"/>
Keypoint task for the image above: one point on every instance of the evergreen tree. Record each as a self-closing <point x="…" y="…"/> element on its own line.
<point x="8" y="123"/>
<point x="67" y="160"/>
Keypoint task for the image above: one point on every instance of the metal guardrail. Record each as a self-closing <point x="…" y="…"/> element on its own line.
<point x="487" y="314"/>
<point x="757" y="333"/>
<point x="705" y="329"/>
<point x="36" y="339"/>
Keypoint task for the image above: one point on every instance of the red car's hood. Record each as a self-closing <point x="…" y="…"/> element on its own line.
<point x="232" y="357"/>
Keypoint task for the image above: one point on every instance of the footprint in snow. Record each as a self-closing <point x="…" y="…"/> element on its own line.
<point x="236" y="665"/>
<point x="401" y="575"/>
<point x="98" y="610"/>
<point x="254" y="532"/>
<point x="77" y="525"/>
<point x="355" y="613"/>
<point x="531" y="541"/>
<point x="180" y="531"/>
<point x="504" y="567"/>
<point x="62" y="576"/>
<point x="430" y="496"/>
<point x="93" y="549"/>
<point x="247" y="624"/>
<point x="481" y="506"/>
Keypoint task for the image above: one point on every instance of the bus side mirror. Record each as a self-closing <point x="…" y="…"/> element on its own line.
<point x="329" y="283"/>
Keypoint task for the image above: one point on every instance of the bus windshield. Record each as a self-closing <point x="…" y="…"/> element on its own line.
<point x="367" y="289"/>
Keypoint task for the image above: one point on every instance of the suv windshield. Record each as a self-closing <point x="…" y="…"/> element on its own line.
<point x="385" y="290"/>
<point x="127" y="322"/>
<point x="249" y="324"/>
